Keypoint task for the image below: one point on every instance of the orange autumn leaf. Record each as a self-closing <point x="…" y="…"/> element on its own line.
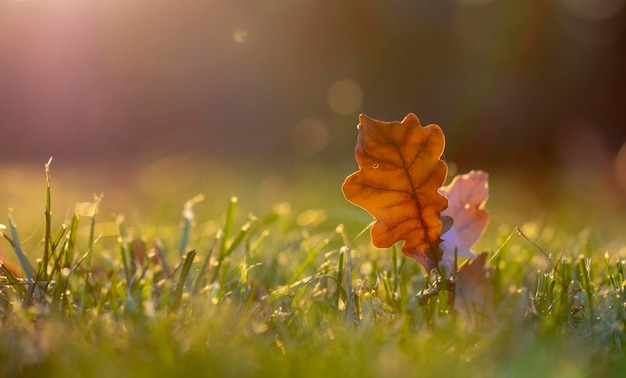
<point x="467" y="195"/>
<point x="400" y="172"/>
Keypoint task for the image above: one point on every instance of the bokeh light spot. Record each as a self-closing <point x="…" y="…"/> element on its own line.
<point x="87" y="209"/>
<point x="594" y="10"/>
<point x="309" y="137"/>
<point x="345" y="96"/>
<point x="311" y="217"/>
<point x="591" y="22"/>
<point x="240" y="35"/>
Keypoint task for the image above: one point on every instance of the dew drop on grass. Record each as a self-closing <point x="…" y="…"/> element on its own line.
<point x="259" y="327"/>
<point x="87" y="209"/>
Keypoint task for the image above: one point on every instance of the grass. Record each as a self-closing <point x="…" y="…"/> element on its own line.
<point x="295" y="293"/>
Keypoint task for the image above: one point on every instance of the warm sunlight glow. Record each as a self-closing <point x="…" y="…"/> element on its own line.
<point x="309" y="137"/>
<point x="345" y="97"/>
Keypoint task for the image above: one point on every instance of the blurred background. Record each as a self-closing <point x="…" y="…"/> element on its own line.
<point x="535" y="89"/>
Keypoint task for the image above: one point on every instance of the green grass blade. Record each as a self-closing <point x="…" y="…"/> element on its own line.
<point x="226" y="247"/>
<point x="200" y="282"/>
<point x="187" y="223"/>
<point x="348" y="269"/>
<point x="184" y="274"/>
<point x="48" y="225"/>
<point x="124" y="248"/>
<point x="89" y="209"/>
<point x="394" y="267"/>
<point x="17" y="247"/>
<point x="339" y="278"/>
<point x="90" y="241"/>
<point x="228" y="225"/>
<point x="62" y="274"/>
<point x="71" y="243"/>
<point x="309" y="259"/>
<point x="243" y="231"/>
<point x="13" y="281"/>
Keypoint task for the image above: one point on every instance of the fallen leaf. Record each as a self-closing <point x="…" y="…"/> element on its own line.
<point x="467" y="195"/>
<point x="400" y="172"/>
<point x="474" y="290"/>
<point x="10" y="267"/>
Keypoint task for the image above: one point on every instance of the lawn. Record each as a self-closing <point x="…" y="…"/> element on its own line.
<point x="275" y="275"/>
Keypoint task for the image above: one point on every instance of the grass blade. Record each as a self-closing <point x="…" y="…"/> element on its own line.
<point x="200" y="282"/>
<point x="339" y="279"/>
<point x="184" y="273"/>
<point x="71" y="242"/>
<point x="348" y="269"/>
<point x="48" y="225"/>
<point x="13" y="281"/>
<point x="17" y="247"/>
<point x="124" y="249"/>
<point x="187" y="222"/>
<point x="89" y="209"/>
<point x="228" y="225"/>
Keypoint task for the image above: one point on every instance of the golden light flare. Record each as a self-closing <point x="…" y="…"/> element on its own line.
<point x="345" y="97"/>
<point x="240" y="35"/>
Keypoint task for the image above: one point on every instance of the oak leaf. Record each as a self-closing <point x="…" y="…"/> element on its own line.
<point x="467" y="195"/>
<point x="474" y="289"/>
<point x="400" y="172"/>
